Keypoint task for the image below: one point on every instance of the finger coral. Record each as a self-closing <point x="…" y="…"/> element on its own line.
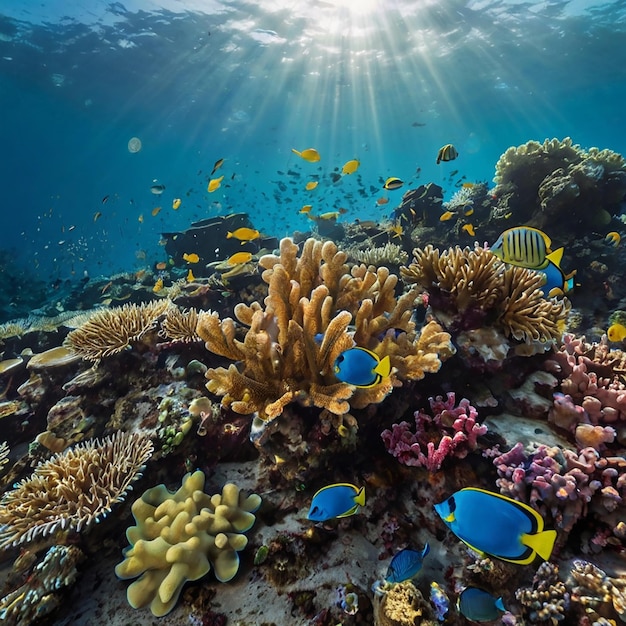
<point x="470" y="289"/>
<point x="73" y="489"/>
<point x="178" y="536"/>
<point x="110" y="331"/>
<point x="291" y="344"/>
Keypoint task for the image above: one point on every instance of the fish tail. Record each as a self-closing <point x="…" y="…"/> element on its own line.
<point x="499" y="604"/>
<point x="384" y="367"/>
<point x="542" y="543"/>
<point x="360" y="497"/>
<point x="229" y="235"/>
<point x="296" y="152"/>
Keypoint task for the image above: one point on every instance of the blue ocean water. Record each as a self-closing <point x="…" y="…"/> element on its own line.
<point x="386" y="82"/>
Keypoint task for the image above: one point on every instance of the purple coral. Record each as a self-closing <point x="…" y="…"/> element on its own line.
<point x="451" y="431"/>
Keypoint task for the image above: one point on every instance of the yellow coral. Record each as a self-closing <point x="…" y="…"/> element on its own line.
<point x="178" y="536"/>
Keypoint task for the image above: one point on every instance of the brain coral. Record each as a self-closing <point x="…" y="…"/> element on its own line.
<point x="178" y="536"/>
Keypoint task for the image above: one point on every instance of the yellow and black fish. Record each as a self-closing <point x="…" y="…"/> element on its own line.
<point x="393" y="183"/>
<point x="447" y="153"/>
<point x="523" y="246"/>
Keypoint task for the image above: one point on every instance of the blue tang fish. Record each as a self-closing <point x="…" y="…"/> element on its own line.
<point x="494" y="524"/>
<point x="406" y="564"/>
<point x="523" y="246"/>
<point x="339" y="500"/>
<point x="361" y="367"/>
<point x="478" y="605"/>
<point x="557" y="283"/>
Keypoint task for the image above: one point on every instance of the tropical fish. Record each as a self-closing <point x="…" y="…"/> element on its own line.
<point x="329" y="215"/>
<point x="616" y="332"/>
<point x="176" y="203"/>
<point x="190" y="277"/>
<point x="493" y="524"/>
<point x="447" y="153"/>
<point x="140" y="218"/>
<point x="158" y="285"/>
<point x="238" y="258"/>
<point x="244" y="234"/>
<point x="406" y="564"/>
<point x="448" y="215"/>
<point x="191" y="258"/>
<point x="468" y="211"/>
<point x="106" y="199"/>
<point x="478" y="605"/>
<point x="469" y="229"/>
<point x="310" y="154"/>
<point x="439" y="599"/>
<point x="557" y="283"/>
<point x="157" y="189"/>
<point x="156" y="211"/>
<point x="523" y="246"/>
<point x="613" y="238"/>
<point x="97" y="215"/>
<point x="214" y="184"/>
<point x="216" y="166"/>
<point x="393" y="183"/>
<point x="306" y="208"/>
<point x="338" y="500"/>
<point x="311" y="185"/>
<point x="160" y="266"/>
<point x="382" y="201"/>
<point x="361" y="367"/>
<point x="350" y="167"/>
<point x="468" y="185"/>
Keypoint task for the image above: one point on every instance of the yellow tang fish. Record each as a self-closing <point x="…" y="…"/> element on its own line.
<point x="523" y="246"/>
<point x="613" y="239"/>
<point x="350" y="167"/>
<point x="306" y="208"/>
<point x="393" y="183"/>
<point x="239" y="257"/>
<point x="616" y="332"/>
<point x="311" y="185"/>
<point x="156" y="211"/>
<point x="310" y="154"/>
<point x="447" y="153"/>
<point x="448" y="215"/>
<point x="244" y="234"/>
<point x="190" y="277"/>
<point x="469" y="229"/>
<point x="176" y="203"/>
<point x="158" y="286"/>
<point x="214" y="184"/>
<point x="468" y="185"/>
<point x="191" y="258"/>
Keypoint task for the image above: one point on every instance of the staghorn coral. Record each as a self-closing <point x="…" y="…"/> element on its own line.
<point x="291" y="345"/>
<point x="547" y="600"/>
<point x="110" y="331"/>
<point x="73" y="489"/>
<point x="469" y="289"/>
<point x="178" y="536"/>
<point x="180" y="325"/>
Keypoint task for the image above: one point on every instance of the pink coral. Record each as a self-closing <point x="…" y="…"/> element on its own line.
<point x="451" y="431"/>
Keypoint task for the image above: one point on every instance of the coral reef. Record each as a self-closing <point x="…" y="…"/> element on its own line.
<point x="469" y="289"/>
<point x="72" y="489"/>
<point x="180" y="325"/>
<point x="454" y="428"/>
<point x="4" y="453"/>
<point x="547" y="599"/>
<point x="291" y="345"/>
<point x="389" y="254"/>
<point x="178" y="536"/>
<point x="110" y="331"/>
<point x="402" y="604"/>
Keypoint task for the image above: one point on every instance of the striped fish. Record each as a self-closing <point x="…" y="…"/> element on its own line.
<point x="447" y="153"/>
<point x="523" y="246"/>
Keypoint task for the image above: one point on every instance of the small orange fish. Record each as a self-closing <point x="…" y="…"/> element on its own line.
<point x="448" y="215"/>
<point x="176" y="203"/>
<point x="310" y="154"/>
<point x="156" y="211"/>
<point x="382" y="201"/>
<point x="160" y="266"/>
<point x="239" y="257"/>
<point x="306" y="208"/>
<point x="311" y="185"/>
<point x="158" y="286"/>
<point x="244" y="234"/>
<point x="214" y="184"/>
<point x="469" y="229"/>
<point x="140" y="218"/>
<point x="191" y="258"/>
<point x="190" y="277"/>
<point x="468" y="185"/>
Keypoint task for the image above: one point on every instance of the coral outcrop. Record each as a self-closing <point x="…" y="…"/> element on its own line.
<point x="291" y="344"/>
<point x="178" y="536"/>
<point x="547" y="600"/>
<point x="73" y="489"/>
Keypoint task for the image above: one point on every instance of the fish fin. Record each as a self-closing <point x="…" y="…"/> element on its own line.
<point x="556" y="256"/>
<point x="229" y="235"/>
<point x="349" y="512"/>
<point x="360" y="497"/>
<point x="426" y="550"/>
<point x="384" y="367"/>
<point x="542" y="542"/>
<point x="499" y="604"/>
<point x="296" y="152"/>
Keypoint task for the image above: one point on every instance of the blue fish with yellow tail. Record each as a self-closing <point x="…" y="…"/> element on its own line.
<point x="523" y="246"/>
<point x="361" y="367"/>
<point x="406" y="564"/>
<point x="493" y="524"/>
<point x="478" y="605"/>
<point x="557" y="283"/>
<point x="339" y="500"/>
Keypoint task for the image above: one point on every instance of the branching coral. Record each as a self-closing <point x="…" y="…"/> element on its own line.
<point x="454" y="430"/>
<point x="547" y="600"/>
<point x="73" y="489"/>
<point x="389" y="254"/>
<point x="110" y="331"/>
<point x="470" y="289"/>
<point x="178" y="536"/>
<point x="180" y="325"/>
<point x="291" y="345"/>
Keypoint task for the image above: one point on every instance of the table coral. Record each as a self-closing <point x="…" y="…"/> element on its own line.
<point x="454" y="427"/>
<point x="291" y="343"/>
<point x="73" y="489"/>
<point x="178" y="536"/>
